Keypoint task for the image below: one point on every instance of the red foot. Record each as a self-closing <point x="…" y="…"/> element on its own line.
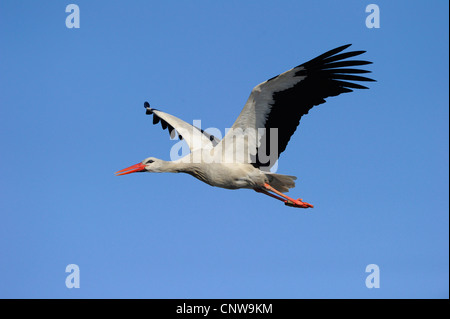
<point x="298" y="203"/>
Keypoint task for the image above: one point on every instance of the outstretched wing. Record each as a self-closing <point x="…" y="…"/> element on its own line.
<point x="280" y="102"/>
<point x="195" y="137"/>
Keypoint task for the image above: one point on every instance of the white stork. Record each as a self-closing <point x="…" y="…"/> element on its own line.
<point x="272" y="113"/>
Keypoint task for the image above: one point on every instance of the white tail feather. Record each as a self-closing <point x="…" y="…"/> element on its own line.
<point x="280" y="182"/>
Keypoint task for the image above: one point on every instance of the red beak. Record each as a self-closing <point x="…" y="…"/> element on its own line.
<point x="139" y="167"/>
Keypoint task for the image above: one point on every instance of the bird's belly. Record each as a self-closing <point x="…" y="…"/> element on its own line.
<point x="231" y="176"/>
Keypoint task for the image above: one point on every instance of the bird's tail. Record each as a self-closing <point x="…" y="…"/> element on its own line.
<point x="280" y="182"/>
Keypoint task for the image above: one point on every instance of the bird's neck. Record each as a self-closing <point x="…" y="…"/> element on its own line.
<point x="179" y="167"/>
<point x="197" y="170"/>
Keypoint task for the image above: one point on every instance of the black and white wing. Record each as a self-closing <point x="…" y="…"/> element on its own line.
<point x="195" y="137"/>
<point x="280" y="102"/>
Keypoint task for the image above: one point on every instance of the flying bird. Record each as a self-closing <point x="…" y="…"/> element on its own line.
<point x="245" y="155"/>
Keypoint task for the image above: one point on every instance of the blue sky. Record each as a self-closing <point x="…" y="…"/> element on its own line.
<point x="374" y="162"/>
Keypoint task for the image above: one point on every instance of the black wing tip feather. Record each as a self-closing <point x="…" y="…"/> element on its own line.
<point x="352" y="77"/>
<point x="332" y="55"/>
<point x="340" y="48"/>
<point x="157" y="119"/>
<point x="148" y="109"/>
<point x="335" y="64"/>
<point x="331" y="52"/>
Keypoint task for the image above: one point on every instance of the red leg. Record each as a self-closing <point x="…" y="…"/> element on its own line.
<point x="260" y="190"/>
<point x="289" y="201"/>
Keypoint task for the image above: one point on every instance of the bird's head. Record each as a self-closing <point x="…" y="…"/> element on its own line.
<point x="150" y="164"/>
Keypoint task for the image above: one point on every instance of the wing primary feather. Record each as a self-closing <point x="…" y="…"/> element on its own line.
<point x="171" y="131"/>
<point x="329" y="53"/>
<point x="155" y="119"/>
<point x="352" y="77"/>
<point x="335" y="65"/>
<point x="350" y="85"/>
<point x="148" y="109"/>
<point x="343" y="56"/>
<point x="346" y="71"/>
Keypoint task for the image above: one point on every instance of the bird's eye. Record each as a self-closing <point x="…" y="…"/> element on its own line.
<point x="149" y="161"/>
